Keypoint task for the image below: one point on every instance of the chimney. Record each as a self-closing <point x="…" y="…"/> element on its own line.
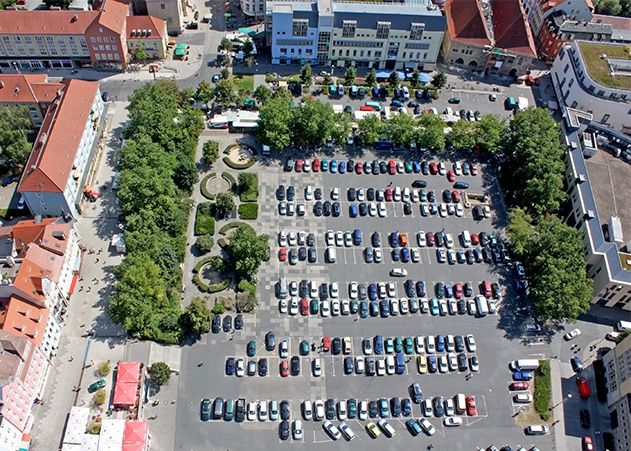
<point x="37" y="219"/>
<point x="1" y="84"/>
<point x="75" y="17"/>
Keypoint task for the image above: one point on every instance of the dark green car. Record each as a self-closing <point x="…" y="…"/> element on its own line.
<point x="408" y="167"/>
<point x="315" y="306"/>
<point x="352" y="408"/>
<point x="408" y="345"/>
<point x="363" y="309"/>
<point x="398" y="344"/>
<point x="304" y="347"/>
<point x="383" y="167"/>
<point x="251" y="349"/>
<point x="94" y="386"/>
<point x="354" y="306"/>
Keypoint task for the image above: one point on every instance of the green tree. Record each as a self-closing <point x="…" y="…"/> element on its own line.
<point x="371" y="78"/>
<point x="284" y="94"/>
<point x="371" y="129"/>
<point x="462" y="135"/>
<point x="226" y="44"/>
<point x="248" y="48"/>
<point x="491" y="133"/>
<point x="247" y="251"/>
<point x="262" y="94"/>
<point x="140" y="55"/>
<point x="314" y="122"/>
<point x="196" y="317"/>
<point x="439" y="80"/>
<point x="224" y="204"/>
<point x="609" y="7"/>
<point x="431" y="132"/>
<point x="205" y="243"/>
<point x="210" y="152"/>
<point x="160" y="372"/>
<point x="225" y="93"/>
<point x="520" y="230"/>
<point x="341" y="128"/>
<point x="306" y="76"/>
<point x="15" y="126"/>
<point x="414" y="79"/>
<point x="400" y="129"/>
<point x="350" y="75"/>
<point x="204" y="92"/>
<point x="247" y="182"/>
<point x="186" y="175"/>
<point x="327" y="80"/>
<point x="393" y="78"/>
<point x="275" y="123"/>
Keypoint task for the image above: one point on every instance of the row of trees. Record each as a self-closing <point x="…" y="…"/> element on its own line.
<point x="551" y="250"/>
<point x="15" y="127"/>
<point x="158" y="173"/>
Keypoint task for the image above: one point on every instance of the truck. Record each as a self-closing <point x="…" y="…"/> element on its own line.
<point x="510" y="103"/>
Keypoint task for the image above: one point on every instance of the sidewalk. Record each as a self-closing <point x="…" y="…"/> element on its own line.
<point x="558" y="429"/>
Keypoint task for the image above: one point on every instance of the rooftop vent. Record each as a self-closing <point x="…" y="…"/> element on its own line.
<point x="590" y="214"/>
<point x="581" y="178"/>
<point x="75" y="17"/>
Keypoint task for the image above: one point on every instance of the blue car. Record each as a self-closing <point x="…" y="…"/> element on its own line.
<point x="439" y="410"/>
<point x="363" y="309"/>
<point x="333" y="166"/>
<point x="396" y="104"/>
<point x="405" y="255"/>
<point x="433" y="307"/>
<point x="374" y="308"/>
<point x="352" y="210"/>
<point x="372" y="291"/>
<point x="416" y="166"/>
<point x="324" y="166"/>
<point x="406" y="407"/>
<point x="394" y="239"/>
<point x="396" y="257"/>
<point x="440" y="343"/>
<point x="342" y="167"/>
<point x="378" y="344"/>
<point x="384" y="307"/>
<point x="522" y="375"/>
<point x="432" y="365"/>
<point x="384" y="410"/>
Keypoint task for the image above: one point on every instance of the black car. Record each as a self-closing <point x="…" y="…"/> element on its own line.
<point x="439" y="410"/>
<point x="313" y="255"/>
<point x="495" y="289"/>
<point x="370" y="194"/>
<point x="462" y="362"/>
<point x="424" y="168"/>
<point x="416" y="393"/>
<point x="395" y="407"/>
<point x="303" y="288"/>
<point x="373" y="409"/>
<point x="311" y="239"/>
<point x="406" y="407"/>
<point x="459" y="343"/>
<point x="336" y="210"/>
<point x="317" y="208"/>
<point x="283" y="430"/>
<point x="470" y="257"/>
<point x="374" y="308"/>
<point x="317" y="194"/>
<point x="336" y="345"/>
<point x="295" y="365"/>
<point x="280" y="192"/>
<point x="284" y="410"/>
<point x="484" y="239"/>
<point x="348" y="365"/>
<point x="478" y="213"/>
<point x="227" y="323"/>
<point x="291" y="193"/>
<point x="586" y="420"/>
<point x="216" y="324"/>
<point x="240" y="410"/>
<point x="376" y="239"/>
<point x="302" y="254"/>
<point x="289" y="165"/>
<point x="329" y="407"/>
<point x="238" y="322"/>
<point x="419" y="183"/>
<point x="409" y="288"/>
<point x="439" y="289"/>
<point x="431" y="196"/>
<point x="230" y="366"/>
<point x="487" y="255"/>
<point x="105" y="96"/>
<point x="462" y="307"/>
<point x="352" y="194"/>
<point x="350" y="165"/>
<point x="270" y="341"/>
<point x="577" y="364"/>
<point x="370" y="366"/>
<point x="262" y="367"/>
<point x="446" y="196"/>
<point x="327" y="208"/>
<point x="461" y="185"/>
<point x="407" y="209"/>
<point x="420" y="289"/>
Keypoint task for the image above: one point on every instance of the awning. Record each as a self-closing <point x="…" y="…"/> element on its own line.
<point x="135" y="436"/>
<point x="73" y="284"/>
<point x="128" y="372"/>
<point x="424" y="78"/>
<point x="247" y="31"/>
<point x="125" y="394"/>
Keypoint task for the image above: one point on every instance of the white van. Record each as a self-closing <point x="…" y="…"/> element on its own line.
<point x="461" y="405"/>
<point x="537" y="429"/>
<point x="482" y="305"/>
<point x="282" y="288"/>
<point x="331" y="255"/>
<point x="465" y="238"/>
<point x="524" y="364"/>
<point x="623" y="326"/>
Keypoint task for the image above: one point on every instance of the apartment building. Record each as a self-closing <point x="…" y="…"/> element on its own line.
<point x="23" y="373"/>
<point x="31" y="91"/>
<point x="559" y="29"/>
<point x="539" y="10"/>
<point x="489" y="36"/>
<point x="618" y="371"/>
<point x="55" y="175"/>
<point x="173" y="12"/>
<point x="253" y="8"/>
<point x="363" y="34"/>
<point x="148" y="33"/>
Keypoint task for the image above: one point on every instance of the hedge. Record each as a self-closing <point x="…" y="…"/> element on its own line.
<point x="200" y="264"/>
<point x="204" y="186"/>
<point x="239" y="166"/>
<point x="232" y="225"/>
<point x="227" y="150"/>
<point x="204" y="287"/>
<point x="248" y="211"/>
<point x="222" y="242"/>
<point x="230" y="179"/>
<point x="204" y="221"/>
<point x="543" y="390"/>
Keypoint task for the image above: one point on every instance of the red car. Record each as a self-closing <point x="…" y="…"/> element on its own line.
<point x="392" y="167"/>
<point x="326" y="343"/>
<point x="519" y="385"/>
<point x="475" y="239"/>
<point x="471" y="409"/>
<point x="451" y="175"/>
<point x="366" y="108"/>
<point x="299" y="165"/>
<point x="359" y="167"/>
<point x="389" y="194"/>
<point x="316" y="165"/>
<point x="433" y="168"/>
<point x="455" y="196"/>
<point x="588" y="444"/>
<point x="485" y="288"/>
<point x="304" y="307"/>
<point x="583" y="387"/>
<point x="429" y="237"/>
<point x="282" y="255"/>
<point x="474" y="169"/>
<point x="458" y="291"/>
<point x="284" y="368"/>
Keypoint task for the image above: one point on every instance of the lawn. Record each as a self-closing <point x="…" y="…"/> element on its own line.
<point x="244" y="82"/>
<point x="248" y="211"/>
<point x="204" y="221"/>
<point x="248" y="187"/>
<point x="543" y="390"/>
<point x="598" y="68"/>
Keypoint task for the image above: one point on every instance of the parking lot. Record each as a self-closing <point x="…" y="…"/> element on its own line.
<point x="498" y="336"/>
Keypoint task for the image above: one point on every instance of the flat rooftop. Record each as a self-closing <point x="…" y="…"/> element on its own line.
<point x="609" y="178"/>
<point x="598" y="66"/>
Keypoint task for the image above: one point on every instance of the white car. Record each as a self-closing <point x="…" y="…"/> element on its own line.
<point x="449" y="240"/>
<point x="296" y="429"/>
<point x="335" y="194"/>
<point x="335" y="307"/>
<point x="428" y="410"/>
<point x="459" y="210"/>
<point x="292" y="238"/>
<point x="452" y="362"/>
<point x="334" y="289"/>
<point x="416" y="197"/>
<point x="282" y="238"/>
<point x="419" y="344"/>
<point x="342" y="410"/>
<point x="442" y="169"/>
<point x="293" y="306"/>
<point x="404" y="307"/>
<point x="427" y="426"/>
<point x="240" y="367"/>
<point x="362" y="411"/>
<point x="282" y="305"/>
<point x="430" y="344"/>
<point x="307" y="410"/>
<point x="397" y="194"/>
<point x="325" y="308"/>
<point x="406" y="194"/>
<point x="372" y="209"/>
<point x="360" y="365"/>
<point x="457" y="168"/>
<point x="398" y="272"/>
<point x="424" y="210"/>
<point x="251" y="411"/>
<point x="329" y="237"/>
<point x="451" y="209"/>
<point x="319" y="410"/>
<point x="443" y="366"/>
<point x="353" y="290"/>
<point x="345" y="307"/>
<point x="313" y="289"/>
<point x="391" y="287"/>
<point x="394" y="307"/>
<point x="263" y="410"/>
<point x="377" y="255"/>
<point x="282" y="208"/>
<point x="382" y="290"/>
<point x="316" y="367"/>
<point x="452" y="421"/>
<point x="308" y="192"/>
<point x="572" y="334"/>
<point x="381" y="367"/>
<point x="347" y="431"/>
<point x="400" y="167"/>
<point x="442" y="210"/>
<point x="382" y="210"/>
<point x="390" y="368"/>
<point x="283" y="349"/>
<point x="339" y="238"/>
<point x="421" y="239"/>
<point x="300" y="209"/>
<point x="470" y="343"/>
<point x="523" y="398"/>
<point x="361" y="195"/>
<point x="387" y="428"/>
<point x="293" y="288"/>
<point x="302" y="238"/>
<point x="307" y="166"/>
<point x="348" y="239"/>
<point x="291" y="209"/>
<point x="450" y="409"/>
<point x="332" y="430"/>
<point x="415" y="255"/>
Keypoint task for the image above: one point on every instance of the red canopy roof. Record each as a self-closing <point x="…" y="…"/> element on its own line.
<point x="135" y="436"/>
<point x="125" y="394"/>
<point x="128" y="372"/>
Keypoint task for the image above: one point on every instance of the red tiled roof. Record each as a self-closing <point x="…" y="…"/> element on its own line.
<point x="27" y="88"/>
<point x="26" y="232"/>
<point x="617" y="23"/>
<point x="24" y="318"/>
<point x="112" y="15"/>
<point x="511" y="29"/>
<point x="150" y="23"/>
<point x="465" y="22"/>
<point x="51" y="160"/>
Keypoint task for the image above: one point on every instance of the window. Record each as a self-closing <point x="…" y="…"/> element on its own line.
<point x="161" y="5"/>
<point x="299" y="27"/>
<point x="383" y="30"/>
<point x="566" y="68"/>
<point x="606" y="118"/>
<point x="416" y="31"/>
<point x="348" y="28"/>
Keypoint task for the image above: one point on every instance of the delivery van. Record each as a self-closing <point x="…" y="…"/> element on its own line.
<point x="482" y="305"/>
<point x="524" y="364"/>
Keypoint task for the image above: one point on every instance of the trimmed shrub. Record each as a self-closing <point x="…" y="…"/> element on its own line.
<point x="232" y="225"/>
<point x="204" y="221"/>
<point x="247" y="287"/>
<point x="248" y="211"/>
<point x="204" y="186"/>
<point x="543" y="390"/>
<point x="205" y="243"/>
<point x="239" y="166"/>
<point x="230" y="179"/>
<point x="105" y="368"/>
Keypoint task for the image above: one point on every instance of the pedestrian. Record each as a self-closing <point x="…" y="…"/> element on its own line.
<point x="71" y="359"/>
<point x="97" y="260"/>
<point x="89" y="289"/>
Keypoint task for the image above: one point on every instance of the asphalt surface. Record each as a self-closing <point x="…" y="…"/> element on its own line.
<point x="499" y="337"/>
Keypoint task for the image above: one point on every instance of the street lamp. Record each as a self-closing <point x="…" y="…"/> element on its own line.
<point x="569" y="396"/>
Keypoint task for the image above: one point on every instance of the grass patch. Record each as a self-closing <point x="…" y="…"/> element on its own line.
<point x="248" y="187"/>
<point x="204" y="221"/>
<point x="232" y="225"/>
<point x="228" y="177"/>
<point x="598" y="68"/>
<point x="204" y="186"/>
<point x="543" y="390"/>
<point x="248" y="211"/>
<point x="247" y="287"/>
<point x="239" y="166"/>
<point x="244" y="82"/>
